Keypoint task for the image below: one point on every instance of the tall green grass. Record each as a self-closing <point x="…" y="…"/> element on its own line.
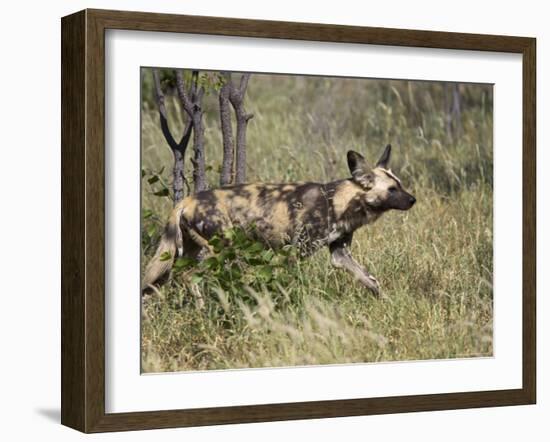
<point x="434" y="263"/>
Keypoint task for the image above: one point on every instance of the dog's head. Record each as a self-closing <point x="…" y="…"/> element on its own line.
<point x="383" y="190"/>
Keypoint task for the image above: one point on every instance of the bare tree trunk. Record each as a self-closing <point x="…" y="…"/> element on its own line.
<point x="192" y="105"/>
<point x="199" y="170"/>
<point x="226" y="175"/>
<point x="236" y="98"/>
<point x="178" y="149"/>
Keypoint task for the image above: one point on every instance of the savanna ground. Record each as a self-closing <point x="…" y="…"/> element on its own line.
<point x="434" y="262"/>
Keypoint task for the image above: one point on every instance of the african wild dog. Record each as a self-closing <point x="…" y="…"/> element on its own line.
<point x="309" y="215"/>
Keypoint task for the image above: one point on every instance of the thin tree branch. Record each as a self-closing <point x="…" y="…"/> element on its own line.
<point x="162" y="112"/>
<point x="194" y="84"/>
<point x="196" y="92"/>
<point x="236" y="98"/>
<point x="243" y="85"/>
<point x="193" y="108"/>
<point x="226" y="175"/>
<point x="178" y="149"/>
<point x="182" y="94"/>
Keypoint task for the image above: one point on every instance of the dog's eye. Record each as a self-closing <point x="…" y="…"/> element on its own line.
<point x="392" y="189"/>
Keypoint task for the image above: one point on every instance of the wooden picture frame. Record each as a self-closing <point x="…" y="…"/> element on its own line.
<point x="83" y="220"/>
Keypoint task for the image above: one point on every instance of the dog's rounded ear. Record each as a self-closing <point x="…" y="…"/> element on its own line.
<point x="385" y="158"/>
<point x="360" y="170"/>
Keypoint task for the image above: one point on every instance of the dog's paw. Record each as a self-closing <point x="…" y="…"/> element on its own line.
<point x="371" y="283"/>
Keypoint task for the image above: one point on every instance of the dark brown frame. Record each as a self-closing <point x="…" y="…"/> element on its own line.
<point x="83" y="215"/>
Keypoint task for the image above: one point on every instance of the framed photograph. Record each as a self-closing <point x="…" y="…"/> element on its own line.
<point x="268" y="221"/>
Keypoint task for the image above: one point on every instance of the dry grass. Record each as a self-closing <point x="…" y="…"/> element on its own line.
<point x="434" y="263"/>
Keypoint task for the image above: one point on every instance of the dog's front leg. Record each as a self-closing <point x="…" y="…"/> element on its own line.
<point x="341" y="258"/>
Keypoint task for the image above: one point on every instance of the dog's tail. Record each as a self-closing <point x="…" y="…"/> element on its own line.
<point x="160" y="265"/>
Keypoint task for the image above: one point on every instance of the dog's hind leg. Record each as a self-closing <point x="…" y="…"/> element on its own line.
<point x="197" y="245"/>
<point x="201" y="241"/>
<point x="341" y="258"/>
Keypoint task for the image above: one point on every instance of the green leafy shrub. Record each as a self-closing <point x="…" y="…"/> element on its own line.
<point x="239" y="266"/>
